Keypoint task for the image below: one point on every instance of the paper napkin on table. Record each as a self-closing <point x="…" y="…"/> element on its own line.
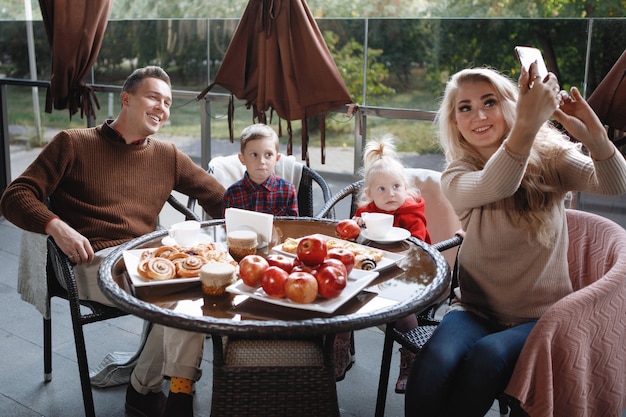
<point x="261" y="223"/>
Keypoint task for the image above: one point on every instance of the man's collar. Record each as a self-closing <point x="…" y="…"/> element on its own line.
<point x="116" y="136"/>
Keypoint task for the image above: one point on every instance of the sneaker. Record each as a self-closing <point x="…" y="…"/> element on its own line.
<point x="179" y="404"/>
<point x="406" y="359"/>
<point x="151" y="404"/>
<point x="343" y="358"/>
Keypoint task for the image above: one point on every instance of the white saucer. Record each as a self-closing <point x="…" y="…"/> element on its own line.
<point x="396" y="234"/>
<point x="168" y="241"/>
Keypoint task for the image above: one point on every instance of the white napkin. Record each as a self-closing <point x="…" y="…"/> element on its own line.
<point x="261" y="223"/>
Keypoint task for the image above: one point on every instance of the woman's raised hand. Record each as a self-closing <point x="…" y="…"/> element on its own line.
<point x="538" y="98"/>
<point x="579" y="119"/>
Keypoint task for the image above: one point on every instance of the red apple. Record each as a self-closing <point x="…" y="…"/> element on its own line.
<point x="304" y="268"/>
<point x="280" y="260"/>
<point x="348" y="229"/>
<point x="301" y="287"/>
<point x="273" y="282"/>
<point x="344" y="255"/>
<point x="251" y="269"/>
<point x="332" y="262"/>
<point x="311" y="250"/>
<point x="331" y="281"/>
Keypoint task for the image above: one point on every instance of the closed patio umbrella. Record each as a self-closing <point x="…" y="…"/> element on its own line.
<point x="75" y="30"/>
<point x="278" y="61"/>
<point x="608" y="100"/>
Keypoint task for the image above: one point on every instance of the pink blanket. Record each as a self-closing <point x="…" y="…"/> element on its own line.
<point x="574" y="361"/>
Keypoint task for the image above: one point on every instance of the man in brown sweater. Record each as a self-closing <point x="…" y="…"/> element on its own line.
<point x="93" y="189"/>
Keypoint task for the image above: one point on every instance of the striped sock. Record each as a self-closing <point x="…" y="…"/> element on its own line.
<point x="183" y="385"/>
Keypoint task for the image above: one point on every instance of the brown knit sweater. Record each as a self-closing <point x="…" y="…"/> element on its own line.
<point x="108" y="191"/>
<point x="502" y="274"/>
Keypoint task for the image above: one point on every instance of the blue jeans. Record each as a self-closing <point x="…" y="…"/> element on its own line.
<point x="464" y="366"/>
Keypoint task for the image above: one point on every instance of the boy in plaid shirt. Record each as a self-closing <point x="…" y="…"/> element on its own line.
<point x="260" y="189"/>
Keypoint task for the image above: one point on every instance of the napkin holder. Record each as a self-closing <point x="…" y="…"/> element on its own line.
<point x="261" y="223"/>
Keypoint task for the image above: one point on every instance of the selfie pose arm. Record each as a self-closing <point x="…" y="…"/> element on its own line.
<point x="583" y="124"/>
<point x="538" y="100"/>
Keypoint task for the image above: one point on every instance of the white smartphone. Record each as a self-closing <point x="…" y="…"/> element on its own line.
<point x="527" y="55"/>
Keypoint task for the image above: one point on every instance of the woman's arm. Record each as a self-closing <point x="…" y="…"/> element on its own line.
<point x="582" y="123"/>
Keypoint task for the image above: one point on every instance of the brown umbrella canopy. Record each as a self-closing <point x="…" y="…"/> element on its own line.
<point x="278" y="61"/>
<point x="608" y="100"/>
<point x="75" y="30"/>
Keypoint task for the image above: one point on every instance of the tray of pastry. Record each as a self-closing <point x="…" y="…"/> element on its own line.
<point x="363" y="254"/>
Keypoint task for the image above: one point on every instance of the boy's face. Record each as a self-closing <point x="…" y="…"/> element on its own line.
<point x="260" y="157"/>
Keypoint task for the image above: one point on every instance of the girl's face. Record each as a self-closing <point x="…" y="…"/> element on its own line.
<point x="479" y="118"/>
<point x="387" y="191"/>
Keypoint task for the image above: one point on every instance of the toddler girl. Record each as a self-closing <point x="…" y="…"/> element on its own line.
<point x="387" y="190"/>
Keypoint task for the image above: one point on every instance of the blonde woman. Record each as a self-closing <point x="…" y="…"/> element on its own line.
<point x="508" y="174"/>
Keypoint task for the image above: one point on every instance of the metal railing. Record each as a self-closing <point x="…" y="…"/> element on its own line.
<point x="360" y="129"/>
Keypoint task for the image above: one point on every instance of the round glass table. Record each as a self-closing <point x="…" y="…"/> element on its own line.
<point x="415" y="277"/>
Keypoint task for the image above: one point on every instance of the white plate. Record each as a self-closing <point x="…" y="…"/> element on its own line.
<point x="396" y="234"/>
<point x="389" y="258"/>
<point x="357" y="280"/>
<point x="132" y="258"/>
<point x="168" y="241"/>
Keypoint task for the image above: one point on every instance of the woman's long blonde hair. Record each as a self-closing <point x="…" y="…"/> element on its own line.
<point x="380" y="157"/>
<point x="539" y="192"/>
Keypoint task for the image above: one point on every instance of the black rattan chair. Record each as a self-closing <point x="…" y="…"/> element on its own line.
<point x="305" y="191"/>
<point x="350" y="190"/>
<point x="61" y="283"/>
<point x="186" y="210"/>
<point x="414" y="339"/>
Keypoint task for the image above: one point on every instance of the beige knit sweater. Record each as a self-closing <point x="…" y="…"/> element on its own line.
<point x="110" y="192"/>
<point x="502" y="274"/>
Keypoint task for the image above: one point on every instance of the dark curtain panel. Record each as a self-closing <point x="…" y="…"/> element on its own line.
<point x="609" y="99"/>
<point x="278" y="61"/>
<point x="75" y="30"/>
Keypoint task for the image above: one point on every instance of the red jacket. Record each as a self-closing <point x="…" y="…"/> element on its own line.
<point x="410" y="216"/>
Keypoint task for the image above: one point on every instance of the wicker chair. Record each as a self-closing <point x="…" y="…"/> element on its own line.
<point x="61" y="283"/>
<point x="414" y="339"/>
<point x="228" y="170"/>
<point x="574" y="360"/>
<point x="351" y="190"/>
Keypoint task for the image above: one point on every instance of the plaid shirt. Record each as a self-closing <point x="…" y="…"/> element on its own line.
<point x="275" y="196"/>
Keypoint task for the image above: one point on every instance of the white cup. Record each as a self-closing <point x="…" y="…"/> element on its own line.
<point x="378" y="224"/>
<point x="185" y="233"/>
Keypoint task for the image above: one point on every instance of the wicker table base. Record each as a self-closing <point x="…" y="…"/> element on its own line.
<point x="263" y="377"/>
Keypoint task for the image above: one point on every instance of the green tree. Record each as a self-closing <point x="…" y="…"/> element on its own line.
<point x="525" y="9"/>
<point x="349" y="60"/>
